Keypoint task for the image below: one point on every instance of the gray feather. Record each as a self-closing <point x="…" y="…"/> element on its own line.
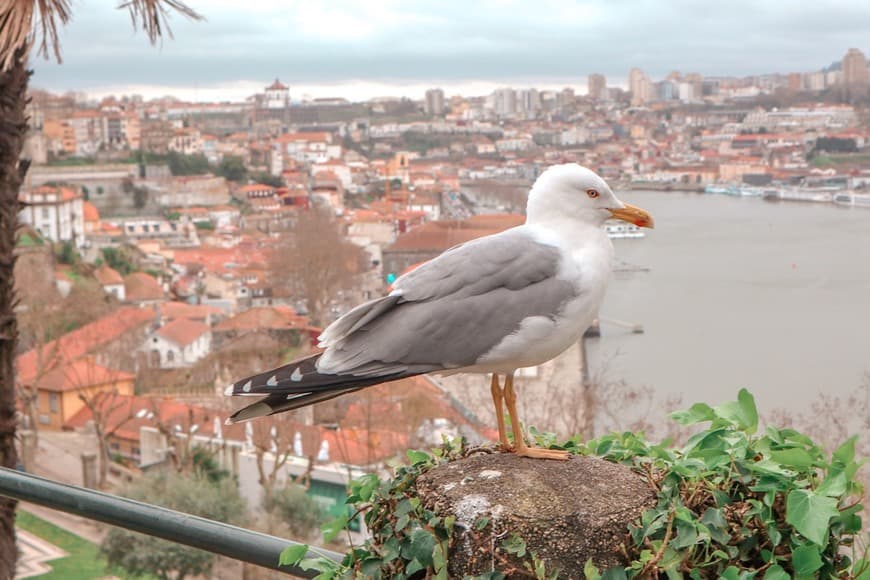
<point x="454" y="308"/>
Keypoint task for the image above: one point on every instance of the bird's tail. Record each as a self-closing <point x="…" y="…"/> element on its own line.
<point x="298" y="384"/>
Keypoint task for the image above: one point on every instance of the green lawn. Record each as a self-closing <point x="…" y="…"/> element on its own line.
<point x="827" y="160"/>
<point x="84" y="561"/>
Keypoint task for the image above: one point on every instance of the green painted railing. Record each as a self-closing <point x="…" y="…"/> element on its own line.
<point x="216" y="537"/>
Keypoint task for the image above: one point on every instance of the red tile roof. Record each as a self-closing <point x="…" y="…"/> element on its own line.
<point x="175" y="309"/>
<point x="90" y="212"/>
<point x="441" y="235"/>
<point x="127" y="414"/>
<point x="82" y="341"/>
<point x="182" y="331"/>
<point x="264" y="318"/>
<point x="141" y="287"/>
<point x="81" y="374"/>
<point x="107" y="276"/>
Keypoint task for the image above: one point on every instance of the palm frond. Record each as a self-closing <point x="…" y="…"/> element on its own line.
<point x="153" y="15"/>
<point x="22" y="20"/>
<point x="25" y="23"/>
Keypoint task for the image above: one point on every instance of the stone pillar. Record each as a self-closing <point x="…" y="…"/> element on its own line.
<point x="89" y="469"/>
<point x="567" y="512"/>
<point x="28" y="449"/>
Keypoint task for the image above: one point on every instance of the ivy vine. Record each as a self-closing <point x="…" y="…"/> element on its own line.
<point x="731" y="503"/>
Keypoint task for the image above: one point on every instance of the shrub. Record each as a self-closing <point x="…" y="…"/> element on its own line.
<point x="732" y="504"/>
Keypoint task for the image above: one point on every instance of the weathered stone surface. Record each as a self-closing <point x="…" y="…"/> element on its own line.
<point x="567" y="512"/>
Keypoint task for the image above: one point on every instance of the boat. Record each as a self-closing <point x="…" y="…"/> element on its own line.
<point x="853" y="199"/>
<point x="798" y="194"/>
<point x="739" y="191"/>
<point x="619" y="231"/>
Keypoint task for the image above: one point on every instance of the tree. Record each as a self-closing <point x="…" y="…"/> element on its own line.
<point x="23" y="25"/>
<point x="102" y="406"/>
<point x="180" y="164"/>
<point x="232" y="168"/>
<point x="195" y="494"/>
<point x="297" y="510"/>
<point x="268" y="179"/>
<point x="315" y="262"/>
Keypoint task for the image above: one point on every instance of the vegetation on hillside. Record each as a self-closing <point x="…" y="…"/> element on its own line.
<point x="732" y="503"/>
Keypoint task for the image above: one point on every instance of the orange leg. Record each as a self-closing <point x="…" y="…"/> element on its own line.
<point x="498" y="400"/>
<point x="520" y="448"/>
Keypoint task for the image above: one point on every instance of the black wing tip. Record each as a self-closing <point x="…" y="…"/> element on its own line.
<point x="254" y="411"/>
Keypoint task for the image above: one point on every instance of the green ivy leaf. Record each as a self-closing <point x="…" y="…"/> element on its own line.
<point x="794" y="457"/>
<point x="742" y="413"/>
<point x="806" y="559"/>
<point x="834" y="485"/>
<point x="292" y="555"/>
<point x="515" y="545"/>
<point x="810" y="514"/>
<point x="697" y="413"/>
<point x="413" y="567"/>
<point x="421" y="547"/>
<point x="590" y="570"/>
<point x="417" y="456"/>
<point x="333" y="527"/>
<point x="617" y="573"/>
<point x="776" y="572"/>
<point x="845" y="453"/>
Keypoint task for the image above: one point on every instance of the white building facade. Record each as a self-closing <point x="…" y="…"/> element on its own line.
<point x="56" y="213"/>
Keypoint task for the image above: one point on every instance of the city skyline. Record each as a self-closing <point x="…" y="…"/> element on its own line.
<point x="360" y="52"/>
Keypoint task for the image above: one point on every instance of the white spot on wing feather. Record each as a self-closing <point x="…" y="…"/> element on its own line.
<point x="296" y="376"/>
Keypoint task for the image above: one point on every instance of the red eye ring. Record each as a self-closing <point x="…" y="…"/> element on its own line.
<point x="593" y="193"/>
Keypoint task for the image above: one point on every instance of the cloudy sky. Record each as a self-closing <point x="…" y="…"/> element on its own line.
<point x="360" y="49"/>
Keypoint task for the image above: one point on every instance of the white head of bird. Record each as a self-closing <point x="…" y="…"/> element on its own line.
<point x="575" y="192"/>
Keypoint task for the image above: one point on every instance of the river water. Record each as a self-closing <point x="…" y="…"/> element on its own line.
<point x="740" y="292"/>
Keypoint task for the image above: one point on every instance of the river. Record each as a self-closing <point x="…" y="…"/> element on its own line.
<point x="740" y="292"/>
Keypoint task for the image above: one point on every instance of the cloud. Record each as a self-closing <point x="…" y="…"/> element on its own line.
<point x="489" y="40"/>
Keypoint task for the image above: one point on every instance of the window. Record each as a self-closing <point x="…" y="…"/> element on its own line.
<point x="170" y="356"/>
<point x="52" y="402"/>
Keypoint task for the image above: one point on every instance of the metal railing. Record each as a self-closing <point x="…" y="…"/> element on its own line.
<point x="216" y="537"/>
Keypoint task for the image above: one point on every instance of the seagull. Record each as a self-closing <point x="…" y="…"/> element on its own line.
<point x="493" y="305"/>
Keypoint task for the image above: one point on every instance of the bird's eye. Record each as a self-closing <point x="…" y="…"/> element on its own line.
<point x="593" y="193"/>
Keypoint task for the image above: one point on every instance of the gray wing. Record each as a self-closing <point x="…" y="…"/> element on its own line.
<point x="451" y="310"/>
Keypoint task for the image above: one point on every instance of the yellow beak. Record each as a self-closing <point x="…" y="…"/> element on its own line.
<point x="633" y="215"/>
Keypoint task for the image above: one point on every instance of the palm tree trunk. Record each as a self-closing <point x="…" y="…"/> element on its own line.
<point x="13" y="126"/>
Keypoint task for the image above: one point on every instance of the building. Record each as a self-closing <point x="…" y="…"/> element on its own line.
<point x="111" y="281"/>
<point x="434" y="103"/>
<point x="143" y="289"/>
<point x="55" y="212"/>
<point x="179" y="343"/>
<point x="640" y="87"/>
<point x="597" y="87"/>
<point x="504" y="102"/>
<point x="426" y="241"/>
<point x="854" y="67"/>
<point x="276" y="96"/>
<point x="60" y="393"/>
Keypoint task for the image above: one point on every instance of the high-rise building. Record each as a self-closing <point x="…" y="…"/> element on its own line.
<point x="434" y="104"/>
<point x="854" y="67"/>
<point x="597" y="86"/>
<point x="529" y="101"/>
<point x="640" y="87"/>
<point x="504" y="102"/>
